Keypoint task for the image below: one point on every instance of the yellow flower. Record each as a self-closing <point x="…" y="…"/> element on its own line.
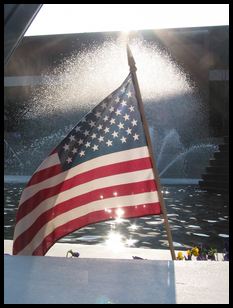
<point x="195" y="251"/>
<point x="189" y="252"/>
<point x="180" y="256"/>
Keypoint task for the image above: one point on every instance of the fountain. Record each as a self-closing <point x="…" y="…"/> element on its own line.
<point x="191" y="167"/>
<point x="174" y="110"/>
<point x="11" y="157"/>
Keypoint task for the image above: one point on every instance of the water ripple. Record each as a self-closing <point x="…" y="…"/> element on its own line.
<point x="149" y="231"/>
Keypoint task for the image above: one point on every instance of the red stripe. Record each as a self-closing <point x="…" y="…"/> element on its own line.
<point x="44" y="174"/>
<point x="100" y="172"/>
<point x="122" y="190"/>
<point x="61" y="231"/>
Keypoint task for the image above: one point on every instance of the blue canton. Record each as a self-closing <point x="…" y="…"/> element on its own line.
<point x="113" y="125"/>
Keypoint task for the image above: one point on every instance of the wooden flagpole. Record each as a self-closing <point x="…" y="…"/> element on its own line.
<point x="133" y="69"/>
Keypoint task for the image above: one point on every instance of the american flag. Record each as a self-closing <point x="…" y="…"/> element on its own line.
<point x="101" y="170"/>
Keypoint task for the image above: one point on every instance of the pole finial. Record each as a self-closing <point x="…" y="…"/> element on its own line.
<point x="131" y="60"/>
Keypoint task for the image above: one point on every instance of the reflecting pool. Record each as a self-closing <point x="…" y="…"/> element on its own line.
<point x="195" y="217"/>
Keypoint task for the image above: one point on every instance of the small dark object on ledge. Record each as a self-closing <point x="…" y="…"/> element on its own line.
<point x="73" y="254"/>
<point x="138" y="258"/>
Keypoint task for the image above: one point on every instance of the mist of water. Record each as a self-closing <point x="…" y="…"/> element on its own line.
<point x="87" y="77"/>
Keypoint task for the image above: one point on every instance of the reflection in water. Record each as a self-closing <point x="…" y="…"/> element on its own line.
<point x="114" y="241"/>
<point x="205" y="222"/>
<point x="133" y="227"/>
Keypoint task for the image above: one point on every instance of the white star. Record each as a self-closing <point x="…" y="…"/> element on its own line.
<point x="129" y="131"/>
<point x="105" y="118"/>
<point x="131" y="108"/>
<point x="120" y="125"/>
<point x="106" y="130"/>
<point x="88" y="144"/>
<point x="72" y="137"/>
<point x="135" y="136"/>
<point x="83" y="120"/>
<point x="100" y="127"/>
<point x="123" y="140"/>
<point x="80" y="141"/>
<point x="95" y="147"/>
<point x="69" y="160"/>
<point x="92" y="124"/>
<point x="109" y="143"/>
<point x="112" y="121"/>
<point x="66" y="147"/>
<point x="115" y="134"/>
<point x="111" y="109"/>
<point x="118" y="112"/>
<point x="82" y="153"/>
<point x="86" y="133"/>
<point x="103" y="105"/>
<point x="123" y="90"/>
<point x="101" y="139"/>
<point x="98" y="114"/>
<point x="117" y="99"/>
<point x="93" y="136"/>
<point x="129" y="94"/>
<point x="123" y="103"/>
<point x="74" y="150"/>
<point x="78" y="129"/>
<point x="134" y="122"/>
<point x="126" y="117"/>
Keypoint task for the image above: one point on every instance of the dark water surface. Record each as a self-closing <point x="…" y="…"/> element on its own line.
<point x="195" y="217"/>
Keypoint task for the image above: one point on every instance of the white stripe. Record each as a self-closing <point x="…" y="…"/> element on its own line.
<point x="104" y="160"/>
<point x="110" y="181"/>
<point x="50" y="161"/>
<point x="111" y="203"/>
